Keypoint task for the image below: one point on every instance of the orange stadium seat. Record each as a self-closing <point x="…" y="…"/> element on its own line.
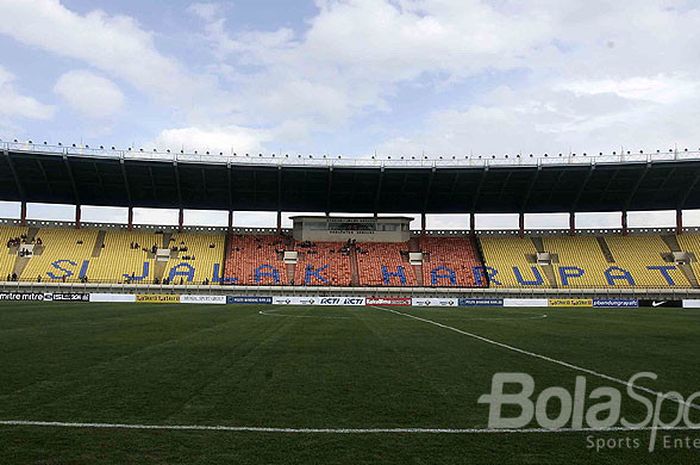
<point x="449" y="261"/>
<point x="322" y="264"/>
<point x="254" y="260"/>
<point x="381" y="264"/>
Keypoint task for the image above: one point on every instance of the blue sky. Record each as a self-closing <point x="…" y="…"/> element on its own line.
<point x="353" y="77"/>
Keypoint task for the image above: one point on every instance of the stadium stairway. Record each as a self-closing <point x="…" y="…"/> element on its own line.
<point x="607" y="253"/>
<point x="414" y="246"/>
<point x="548" y="270"/>
<point x="99" y="244"/>
<point x="22" y="262"/>
<point x="671" y="240"/>
<point x="354" y="267"/>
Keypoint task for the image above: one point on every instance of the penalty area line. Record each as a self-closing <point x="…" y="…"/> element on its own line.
<point x="539" y="356"/>
<point x="260" y="429"/>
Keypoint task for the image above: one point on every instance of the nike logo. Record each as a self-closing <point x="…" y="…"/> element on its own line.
<point x="657" y="304"/>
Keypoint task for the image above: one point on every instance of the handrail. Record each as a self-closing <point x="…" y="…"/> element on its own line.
<point x="451" y="161"/>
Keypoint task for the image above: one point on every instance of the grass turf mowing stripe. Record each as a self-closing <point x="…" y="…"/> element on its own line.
<point x="539" y="356"/>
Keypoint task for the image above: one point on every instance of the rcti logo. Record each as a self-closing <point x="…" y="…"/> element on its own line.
<point x="603" y="413"/>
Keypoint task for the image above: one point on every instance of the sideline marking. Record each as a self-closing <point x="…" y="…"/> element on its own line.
<point x="260" y="429"/>
<point x="536" y="355"/>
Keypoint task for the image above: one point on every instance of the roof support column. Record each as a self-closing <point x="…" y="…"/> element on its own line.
<point x="521" y="224"/>
<point x="472" y="223"/>
<point x="23" y="213"/>
<point x="422" y="223"/>
<point x="279" y="222"/>
<point x="679" y="221"/>
<point x="572" y="223"/>
<point x="77" y="216"/>
<point x="230" y="220"/>
<point x="624" y="223"/>
<point x="130" y="218"/>
<point x="181" y="219"/>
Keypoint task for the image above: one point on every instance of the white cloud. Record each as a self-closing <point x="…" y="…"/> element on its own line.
<point x="597" y="74"/>
<point x="117" y="45"/>
<point x="15" y="105"/>
<point x="215" y="139"/>
<point x="355" y="52"/>
<point x="91" y="95"/>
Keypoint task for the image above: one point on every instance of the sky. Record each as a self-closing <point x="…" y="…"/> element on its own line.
<point x="352" y="77"/>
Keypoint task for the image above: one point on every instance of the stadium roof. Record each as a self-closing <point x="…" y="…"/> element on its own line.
<point x="83" y="176"/>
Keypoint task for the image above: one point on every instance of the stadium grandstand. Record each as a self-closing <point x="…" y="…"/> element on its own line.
<point x="335" y="251"/>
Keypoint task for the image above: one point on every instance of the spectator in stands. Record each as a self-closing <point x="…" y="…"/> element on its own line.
<point x="14" y="276"/>
<point x="38" y="279"/>
<point x="9" y="277"/>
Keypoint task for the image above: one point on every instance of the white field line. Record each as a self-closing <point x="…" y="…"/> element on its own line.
<point x="539" y="356"/>
<point x="258" y="429"/>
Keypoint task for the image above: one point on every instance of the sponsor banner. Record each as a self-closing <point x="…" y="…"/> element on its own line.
<point x="525" y="302"/>
<point x="342" y="301"/>
<point x="112" y="298"/>
<point x="615" y="303"/>
<point x="661" y="303"/>
<point x="691" y="303"/>
<point x="570" y="302"/>
<point x="71" y="297"/>
<point x="480" y="302"/>
<point x="26" y="296"/>
<point x="389" y="301"/>
<point x="248" y="299"/>
<point x="157" y="298"/>
<point x="203" y="299"/>
<point x="292" y="300"/>
<point x="433" y="302"/>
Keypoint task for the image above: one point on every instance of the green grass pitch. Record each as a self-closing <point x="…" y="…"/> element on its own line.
<point x="316" y="367"/>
